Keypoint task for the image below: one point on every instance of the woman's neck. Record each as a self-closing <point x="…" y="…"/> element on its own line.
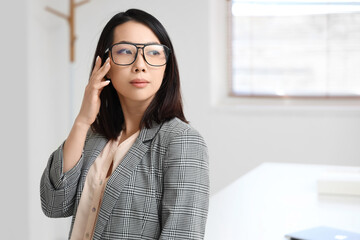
<point x="133" y="114"/>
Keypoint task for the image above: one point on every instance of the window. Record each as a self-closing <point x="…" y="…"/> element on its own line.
<point x="295" y="48"/>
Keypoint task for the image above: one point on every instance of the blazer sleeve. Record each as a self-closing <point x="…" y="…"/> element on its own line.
<point x="58" y="189"/>
<point x="186" y="187"/>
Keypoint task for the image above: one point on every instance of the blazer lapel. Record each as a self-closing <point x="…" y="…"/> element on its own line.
<point x="121" y="176"/>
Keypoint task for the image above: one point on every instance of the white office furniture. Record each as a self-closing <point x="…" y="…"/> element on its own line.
<point x="275" y="199"/>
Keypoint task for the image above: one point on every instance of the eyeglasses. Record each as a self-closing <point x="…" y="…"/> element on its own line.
<point x="126" y="53"/>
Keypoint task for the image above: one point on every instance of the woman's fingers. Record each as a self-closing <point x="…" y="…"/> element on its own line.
<point x="97" y="65"/>
<point x="99" y="73"/>
<point x="104" y="69"/>
<point x="91" y="100"/>
<point x="103" y="84"/>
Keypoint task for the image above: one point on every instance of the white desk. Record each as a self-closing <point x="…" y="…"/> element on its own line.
<point x="275" y="199"/>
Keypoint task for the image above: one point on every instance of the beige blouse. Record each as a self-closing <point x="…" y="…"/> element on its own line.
<point x="95" y="184"/>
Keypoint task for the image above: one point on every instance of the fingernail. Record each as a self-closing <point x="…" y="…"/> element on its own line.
<point x="97" y="58"/>
<point x="107" y="64"/>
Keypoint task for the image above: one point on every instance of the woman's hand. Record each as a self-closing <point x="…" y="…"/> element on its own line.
<point x="89" y="109"/>
<point x="91" y="102"/>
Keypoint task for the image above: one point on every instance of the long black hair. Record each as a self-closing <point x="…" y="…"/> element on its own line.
<point x="167" y="102"/>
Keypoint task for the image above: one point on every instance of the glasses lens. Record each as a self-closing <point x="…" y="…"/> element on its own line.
<point x="123" y="53"/>
<point x="156" y="54"/>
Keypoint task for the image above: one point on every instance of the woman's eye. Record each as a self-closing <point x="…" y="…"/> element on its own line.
<point x="153" y="52"/>
<point x="123" y="51"/>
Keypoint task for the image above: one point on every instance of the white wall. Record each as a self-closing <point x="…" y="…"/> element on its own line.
<point x="14" y="118"/>
<point x="240" y="133"/>
<point x="47" y="112"/>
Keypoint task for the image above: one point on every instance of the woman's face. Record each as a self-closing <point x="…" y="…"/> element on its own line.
<point x="139" y="81"/>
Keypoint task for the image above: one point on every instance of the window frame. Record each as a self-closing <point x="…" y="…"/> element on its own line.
<point x="230" y="90"/>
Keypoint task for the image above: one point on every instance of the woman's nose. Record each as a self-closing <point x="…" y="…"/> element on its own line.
<point x="139" y="65"/>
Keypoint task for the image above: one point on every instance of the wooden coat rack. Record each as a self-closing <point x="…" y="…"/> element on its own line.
<point x="71" y="20"/>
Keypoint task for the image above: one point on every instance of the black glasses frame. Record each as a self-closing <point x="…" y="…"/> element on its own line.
<point x="136" y="45"/>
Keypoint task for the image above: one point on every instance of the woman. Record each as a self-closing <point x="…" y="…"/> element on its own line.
<point x="131" y="167"/>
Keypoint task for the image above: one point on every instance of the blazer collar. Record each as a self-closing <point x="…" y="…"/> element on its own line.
<point x="149" y="133"/>
<point x="121" y="176"/>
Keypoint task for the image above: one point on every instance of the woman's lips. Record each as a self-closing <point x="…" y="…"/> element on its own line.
<point x="139" y="83"/>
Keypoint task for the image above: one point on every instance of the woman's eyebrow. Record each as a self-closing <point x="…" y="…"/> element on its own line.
<point x="147" y="43"/>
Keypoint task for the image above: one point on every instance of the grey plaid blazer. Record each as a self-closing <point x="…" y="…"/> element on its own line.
<point x="160" y="190"/>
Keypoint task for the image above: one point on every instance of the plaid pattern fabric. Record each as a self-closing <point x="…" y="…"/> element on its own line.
<point x="160" y="190"/>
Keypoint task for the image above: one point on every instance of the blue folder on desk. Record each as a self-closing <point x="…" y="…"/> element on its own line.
<point x="323" y="233"/>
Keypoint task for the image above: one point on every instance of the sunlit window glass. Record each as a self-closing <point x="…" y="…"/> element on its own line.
<point x="295" y="48"/>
